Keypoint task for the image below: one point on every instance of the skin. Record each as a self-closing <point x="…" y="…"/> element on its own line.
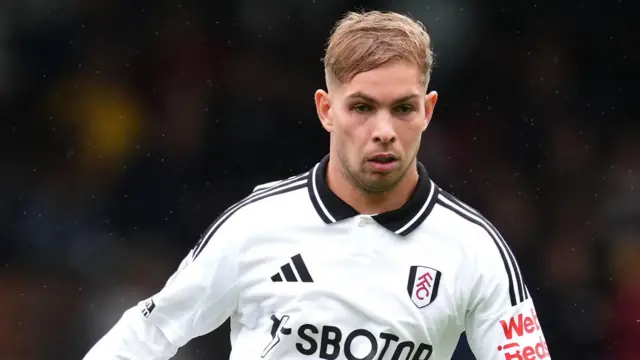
<point x="384" y="110"/>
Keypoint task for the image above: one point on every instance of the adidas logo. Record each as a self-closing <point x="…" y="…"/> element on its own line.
<point x="289" y="272"/>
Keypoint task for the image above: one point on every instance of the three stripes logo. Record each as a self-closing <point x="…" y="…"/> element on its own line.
<point x="294" y="271"/>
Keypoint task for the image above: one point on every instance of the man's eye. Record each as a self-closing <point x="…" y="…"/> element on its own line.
<point x="362" y="108"/>
<point x="404" y="109"/>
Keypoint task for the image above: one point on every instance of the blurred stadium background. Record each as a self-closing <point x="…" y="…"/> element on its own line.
<point x="127" y="126"/>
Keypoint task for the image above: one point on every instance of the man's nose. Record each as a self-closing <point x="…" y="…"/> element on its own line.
<point x="383" y="129"/>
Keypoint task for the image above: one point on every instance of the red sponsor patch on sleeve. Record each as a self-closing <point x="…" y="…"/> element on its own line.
<point x="524" y="338"/>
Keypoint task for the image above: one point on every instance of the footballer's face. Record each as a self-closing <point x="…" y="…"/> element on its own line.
<point x="376" y="121"/>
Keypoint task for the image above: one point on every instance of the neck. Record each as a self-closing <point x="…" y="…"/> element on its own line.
<point x="366" y="202"/>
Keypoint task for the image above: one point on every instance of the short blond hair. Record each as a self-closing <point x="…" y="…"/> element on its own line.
<point x="363" y="41"/>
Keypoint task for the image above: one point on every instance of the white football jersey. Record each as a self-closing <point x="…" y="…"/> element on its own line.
<point x="302" y="275"/>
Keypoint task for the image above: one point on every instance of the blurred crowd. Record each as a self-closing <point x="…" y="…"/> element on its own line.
<point x="127" y="127"/>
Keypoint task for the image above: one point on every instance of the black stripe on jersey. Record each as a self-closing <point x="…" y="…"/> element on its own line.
<point x="507" y="259"/>
<point x="514" y="263"/>
<point x="298" y="263"/>
<point x="282" y="188"/>
<point x="276" y="278"/>
<point x="266" y="187"/>
<point x="512" y="295"/>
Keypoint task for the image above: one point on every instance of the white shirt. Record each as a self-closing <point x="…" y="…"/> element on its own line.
<point x="302" y="275"/>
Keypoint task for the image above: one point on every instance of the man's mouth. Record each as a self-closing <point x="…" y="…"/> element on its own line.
<point x="383" y="163"/>
<point x="383" y="158"/>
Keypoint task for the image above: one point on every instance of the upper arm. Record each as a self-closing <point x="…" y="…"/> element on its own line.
<point x="501" y="321"/>
<point x="200" y="295"/>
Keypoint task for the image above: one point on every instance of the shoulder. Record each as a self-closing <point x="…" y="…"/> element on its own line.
<point x="265" y="202"/>
<point x="471" y="225"/>
<point x="463" y="223"/>
<point x="268" y="200"/>
<point x="289" y="184"/>
<point x="488" y="252"/>
<point x="275" y="197"/>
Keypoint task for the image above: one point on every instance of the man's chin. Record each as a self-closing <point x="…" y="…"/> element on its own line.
<point x="380" y="182"/>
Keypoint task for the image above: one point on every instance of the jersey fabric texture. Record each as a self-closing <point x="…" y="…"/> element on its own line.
<point x="302" y="275"/>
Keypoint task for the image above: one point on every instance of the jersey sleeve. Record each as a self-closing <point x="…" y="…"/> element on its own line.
<point x="501" y="321"/>
<point x="196" y="300"/>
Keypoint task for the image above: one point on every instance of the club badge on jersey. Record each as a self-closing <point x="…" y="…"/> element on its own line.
<point x="423" y="285"/>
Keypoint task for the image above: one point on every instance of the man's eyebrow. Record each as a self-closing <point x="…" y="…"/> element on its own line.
<point x="367" y="98"/>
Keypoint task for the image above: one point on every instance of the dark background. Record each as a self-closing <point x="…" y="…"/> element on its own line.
<point x="126" y="127"/>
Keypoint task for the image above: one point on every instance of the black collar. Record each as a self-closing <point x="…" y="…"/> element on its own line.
<point x="402" y="221"/>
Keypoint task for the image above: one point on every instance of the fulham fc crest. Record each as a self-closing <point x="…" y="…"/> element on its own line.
<point x="423" y="285"/>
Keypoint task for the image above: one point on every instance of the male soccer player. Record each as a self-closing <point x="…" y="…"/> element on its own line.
<point x="362" y="257"/>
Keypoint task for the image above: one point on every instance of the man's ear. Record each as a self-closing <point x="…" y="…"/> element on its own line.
<point x="429" y="105"/>
<point x="323" y="108"/>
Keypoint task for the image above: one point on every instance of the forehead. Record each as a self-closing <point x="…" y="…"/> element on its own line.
<point x="387" y="82"/>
